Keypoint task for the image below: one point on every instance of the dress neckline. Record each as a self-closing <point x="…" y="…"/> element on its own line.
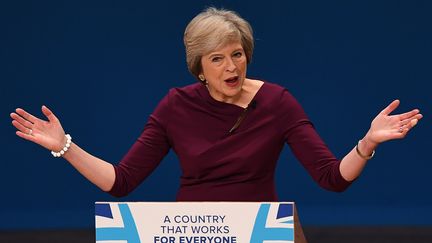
<point x="204" y="92"/>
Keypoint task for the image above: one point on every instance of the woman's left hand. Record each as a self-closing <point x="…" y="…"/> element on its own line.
<point x="387" y="127"/>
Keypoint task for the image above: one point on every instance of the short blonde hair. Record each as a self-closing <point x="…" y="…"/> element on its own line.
<point x="212" y="29"/>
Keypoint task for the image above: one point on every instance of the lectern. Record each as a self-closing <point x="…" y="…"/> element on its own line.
<point x="196" y="222"/>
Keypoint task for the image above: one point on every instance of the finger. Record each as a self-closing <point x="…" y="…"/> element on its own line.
<point x="397" y="134"/>
<point x="390" y="107"/>
<point x="408" y="114"/>
<point x="413" y="122"/>
<point x="26" y="136"/>
<point x="26" y="115"/>
<point x="21" y="127"/>
<point x="49" y="114"/>
<point x="403" y="131"/>
<point x="21" y="120"/>
<point x="416" y="117"/>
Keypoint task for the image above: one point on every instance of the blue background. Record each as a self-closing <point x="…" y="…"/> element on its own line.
<point x="102" y="66"/>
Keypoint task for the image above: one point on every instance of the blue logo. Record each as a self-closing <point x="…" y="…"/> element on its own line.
<point x="129" y="230"/>
<point x="274" y="224"/>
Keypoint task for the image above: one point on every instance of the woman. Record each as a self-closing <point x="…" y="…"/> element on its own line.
<point x="227" y="130"/>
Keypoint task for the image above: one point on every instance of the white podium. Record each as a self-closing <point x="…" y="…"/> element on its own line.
<point x="195" y="222"/>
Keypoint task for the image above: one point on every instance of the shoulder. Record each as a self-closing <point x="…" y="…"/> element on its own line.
<point x="276" y="94"/>
<point x="281" y="100"/>
<point x="177" y="94"/>
<point x="175" y="99"/>
<point x="190" y="91"/>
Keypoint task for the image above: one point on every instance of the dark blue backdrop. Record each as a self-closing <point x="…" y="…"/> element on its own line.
<point x="102" y="66"/>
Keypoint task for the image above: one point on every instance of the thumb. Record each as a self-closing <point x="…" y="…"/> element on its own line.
<point x="390" y="107"/>
<point x="49" y="114"/>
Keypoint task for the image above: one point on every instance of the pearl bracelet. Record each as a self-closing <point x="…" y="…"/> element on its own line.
<point x="65" y="148"/>
<point x="366" y="157"/>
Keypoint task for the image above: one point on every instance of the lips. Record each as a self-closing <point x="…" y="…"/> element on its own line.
<point x="232" y="81"/>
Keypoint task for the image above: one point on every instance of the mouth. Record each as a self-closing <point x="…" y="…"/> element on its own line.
<point x="232" y="81"/>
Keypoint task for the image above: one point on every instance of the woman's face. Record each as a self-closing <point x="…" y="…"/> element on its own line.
<point x="225" y="71"/>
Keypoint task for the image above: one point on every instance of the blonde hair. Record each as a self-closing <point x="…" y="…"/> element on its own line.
<point x="212" y="29"/>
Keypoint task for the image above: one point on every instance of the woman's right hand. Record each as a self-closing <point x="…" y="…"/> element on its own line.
<point x="49" y="134"/>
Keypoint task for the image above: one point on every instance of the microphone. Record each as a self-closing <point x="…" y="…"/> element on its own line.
<point x="252" y="105"/>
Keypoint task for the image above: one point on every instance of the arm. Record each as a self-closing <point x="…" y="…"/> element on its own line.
<point x="308" y="147"/>
<point x="322" y="165"/>
<point x="383" y="128"/>
<point x="50" y="135"/>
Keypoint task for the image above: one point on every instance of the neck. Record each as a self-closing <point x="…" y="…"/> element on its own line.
<point x="242" y="98"/>
<point x="226" y="99"/>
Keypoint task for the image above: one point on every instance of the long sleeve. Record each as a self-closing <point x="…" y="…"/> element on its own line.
<point x="145" y="154"/>
<point x="308" y="147"/>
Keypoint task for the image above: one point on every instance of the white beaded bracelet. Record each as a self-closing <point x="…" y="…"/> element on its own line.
<point x="65" y="148"/>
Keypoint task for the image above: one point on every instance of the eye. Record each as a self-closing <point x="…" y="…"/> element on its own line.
<point x="238" y="54"/>
<point x="216" y="59"/>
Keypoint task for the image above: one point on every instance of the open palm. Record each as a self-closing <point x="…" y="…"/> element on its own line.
<point x="387" y="127"/>
<point x="49" y="134"/>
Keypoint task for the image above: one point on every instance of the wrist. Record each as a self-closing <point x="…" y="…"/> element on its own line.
<point x="67" y="143"/>
<point x="364" y="152"/>
<point x="368" y="143"/>
<point x="60" y="144"/>
<point x="366" y="147"/>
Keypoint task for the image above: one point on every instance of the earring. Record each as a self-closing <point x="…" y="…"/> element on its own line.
<point x="201" y="77"/>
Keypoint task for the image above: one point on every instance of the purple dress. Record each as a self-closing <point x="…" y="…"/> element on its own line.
<point x="221" y="166"/>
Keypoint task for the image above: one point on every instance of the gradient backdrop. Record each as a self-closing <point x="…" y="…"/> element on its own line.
<point x="102" y="66"/>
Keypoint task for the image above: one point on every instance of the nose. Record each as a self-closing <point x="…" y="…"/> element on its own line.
<point x="230" y="65"/>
